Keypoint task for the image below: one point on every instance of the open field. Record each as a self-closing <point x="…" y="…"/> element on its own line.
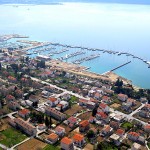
<point x="88" y="147"/>
<point x="11" y="136"/>
<point x="50" y="147"/>
<point x="85" y="116"/>
<point x="4" y="124"/>
<point x="74" y="109"/>
<point x="32" y="144"/>
<point x="115" y="106"/>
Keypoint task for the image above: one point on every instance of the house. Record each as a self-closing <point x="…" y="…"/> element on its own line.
<point x="126" y="107"/>
<point x="115" y="139"/>
<point x="3" y="91"/>
<point x="52" y="138"/>
<point x="87" y="103"/>
<point x="55" y="113"/>
<point x="10" y="98"/>
<point x="65" y="96"/>
<point x="41" y="126"/>
<point x="24" y="113"/>
<point x="84" y="126"/>
<point x="102" y="116"/>
<point x="147" y="128"/>
<point x="144" y="114"/>
<point x="136" y="146"/>
<point x="107" y="130"/>
<point x="29" y="103"/>
<point x="67" y="144"/>
<point x="91" y="93"/>
<point x="114" y="125"/>
<point x="34" y="99"/>
<point x="133" y="136"/>
<point x="97" y="96"/>
<point x="60" y="131"/>
<point x="122" y="97"/>
<point x="131" y="102"/>
<point x="53" y="101"/>
<point x="13" y="105"/>
<point x="72" y="121"/>
<point x="92" y="119"/>
<point x="25" y="126"/>
<point x="62" y="105"/>
<point x="79" y="140"/>
<point x="104" y="107"/>
<point x="12" y="79"/>
<point x="19" y="93"/>
<point x="120" y="132"/>
<point x="45" y="94"/>
<point x="106" y="99"/>
<point x="146" y="107"/>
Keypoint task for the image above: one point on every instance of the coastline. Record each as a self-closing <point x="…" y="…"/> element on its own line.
<point x="82" y="70"/>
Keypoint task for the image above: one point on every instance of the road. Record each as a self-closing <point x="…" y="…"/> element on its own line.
<point x="128" y="116"/>
<point x="58" y="88"/>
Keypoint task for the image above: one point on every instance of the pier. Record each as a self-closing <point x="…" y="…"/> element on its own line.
<point x="120" y="66"/>
<point x="117" y="67"/>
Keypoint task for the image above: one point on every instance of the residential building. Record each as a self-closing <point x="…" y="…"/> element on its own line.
<point x="84" y="126"/>
<point x="67" y="144"/>
<point x="25" y="126"/>
<point x="106" y="99"/>
<point x="107" y="130"/>
<point x="104" y="107"/>
<point x="53" y="101"/>
<point x="120" y="133"/>
<point x="13" y="105"/>
<point x="133" y="136"/>
<point x="72" y="121"/>
<point x="131" y="101"/>
<point x="24" y="113"/>
<point x="63" y="105"/>
<point x="102" y="116"/>
<point x="55" y="113"/>
<point x="79" y="140"/>
<point x="114" y="124"/>
<point x="147" y="128"/>
<point x="52" y="138"/>
<point x="122" y="97"/>
<point x="136" y="146"/>
<point x="60" y="131"/>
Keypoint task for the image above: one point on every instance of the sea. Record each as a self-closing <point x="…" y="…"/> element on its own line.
<point x="117" y="25"/>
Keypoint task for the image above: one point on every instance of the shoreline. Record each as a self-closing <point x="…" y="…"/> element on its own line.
<point x="82" y="70"/>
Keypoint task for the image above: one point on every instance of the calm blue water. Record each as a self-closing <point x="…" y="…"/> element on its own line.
<point x="120" y="27"/>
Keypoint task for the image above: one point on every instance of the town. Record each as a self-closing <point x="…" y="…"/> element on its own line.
<point x="45" y="106"/>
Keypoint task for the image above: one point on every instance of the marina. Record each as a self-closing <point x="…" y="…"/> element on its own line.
<point x="79" y="61"/>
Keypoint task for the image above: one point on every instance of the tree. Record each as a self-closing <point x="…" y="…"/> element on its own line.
<point x="99" y="146"/>
<point x="47" y="123"/>
<point x="94" y="111"/>
<point x="50" y="121"/>
<point x="90" y="134"/>
<point x="0" y="66"/>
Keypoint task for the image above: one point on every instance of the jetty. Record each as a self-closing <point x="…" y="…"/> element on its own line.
<point x="93" y="56"/>
<point x="72" y="55"/>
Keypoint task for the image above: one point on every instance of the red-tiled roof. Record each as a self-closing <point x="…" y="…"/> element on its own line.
<point x="102" y="115"/>
<point x="52" y="99"/>
<point x="133" y="134"/>
<point x="78" y="137"/>
<point x="66" y="141"/>
<point x="84" y="123"/>
<point x="59" y="129"/>
<point x="102" y="105"/>
<point x="52" y="136"/>
<point x="120" y="132"/>
<point x="24" y="111"/>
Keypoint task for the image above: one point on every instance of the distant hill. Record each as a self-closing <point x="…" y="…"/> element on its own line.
<point x="145" y="2"/>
